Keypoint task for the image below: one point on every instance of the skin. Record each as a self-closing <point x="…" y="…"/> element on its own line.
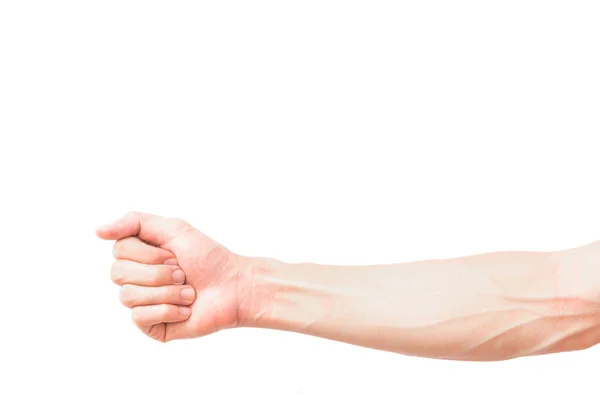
<point x="179" y="284"/>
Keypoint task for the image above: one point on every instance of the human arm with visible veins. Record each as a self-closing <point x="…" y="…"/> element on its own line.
<point x="483" y="307"/>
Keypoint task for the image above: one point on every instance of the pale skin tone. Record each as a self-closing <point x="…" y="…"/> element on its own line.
<point x="179" y="284"/>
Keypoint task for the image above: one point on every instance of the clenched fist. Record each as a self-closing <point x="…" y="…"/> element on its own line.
<point x="178" y="282"/>
<point x="483" y="307"/>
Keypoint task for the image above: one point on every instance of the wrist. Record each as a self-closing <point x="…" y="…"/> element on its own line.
<point x="254" y="301"/>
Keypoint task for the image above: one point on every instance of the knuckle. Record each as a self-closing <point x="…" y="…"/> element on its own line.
<point x="118" y="248"/>
<point x="117" y="274"/>
<point x="126" y="297"/>
<point x="164" y="310"/>
<point x="122" y="246"/>
<point x="135" y="316"/>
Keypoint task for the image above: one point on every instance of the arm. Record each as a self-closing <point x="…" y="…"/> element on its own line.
<point x="484" y="307"/>
<point x="181" y="284"/>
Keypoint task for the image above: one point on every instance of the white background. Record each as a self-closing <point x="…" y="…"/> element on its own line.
<point x="327" y="131"/>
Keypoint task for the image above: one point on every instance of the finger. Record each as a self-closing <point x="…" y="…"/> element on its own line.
<point x="118" y="229"/>
<point x="132" y="248"/>
<point x="135" y="296"/>
<point x="146" y="316"/>
<point x="130" y="272"/>
<point x="150" y="228"/>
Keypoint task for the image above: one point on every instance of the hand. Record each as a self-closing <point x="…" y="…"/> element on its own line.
<point x="155" y="292"/>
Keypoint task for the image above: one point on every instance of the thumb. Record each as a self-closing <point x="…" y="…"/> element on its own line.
<point x="148" y="227"/>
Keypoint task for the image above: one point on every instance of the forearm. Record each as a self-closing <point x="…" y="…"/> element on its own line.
<point x="483" y="307"/>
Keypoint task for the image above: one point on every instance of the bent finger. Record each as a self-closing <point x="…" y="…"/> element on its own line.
<point x="147" y="316"/>
<point x="134" y="296"/>
<point x="134" y="249"/>
<point x="149" y="227"/>
<point x="130" y="272"/>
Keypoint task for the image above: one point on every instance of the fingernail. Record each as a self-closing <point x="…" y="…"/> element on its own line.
<point x="185" y="311"/>
<point x="178" y="276"/>
<point x="171" y="261"/>
<point x="187" y="293"/>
